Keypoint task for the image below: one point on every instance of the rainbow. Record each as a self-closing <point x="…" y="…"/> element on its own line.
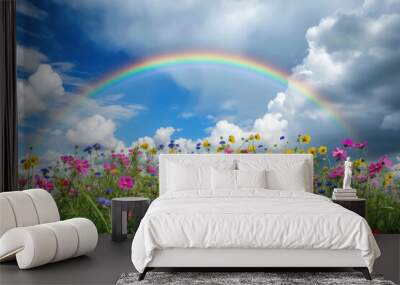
<point x="221" y="59"/>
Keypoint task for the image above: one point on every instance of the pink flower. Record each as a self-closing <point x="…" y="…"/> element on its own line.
<point x="361" y="178"/>
<point x="375" y="183"/>
<point x="44" y="183"/>
<point x="386" y="161"/>
<point x="360" y="145"/>
<point x="228" y="150"/>
<point x="67" y="159"/>
<point x="152" y="170"/>
<point x="347" y="142"/>
<point x="81" y="166"/>
<point x="109" y="166"/>
<point x="375" y="168"/>
<point x="126" y="182"/>
<point x="337" y="172"/>
<point x="72" y="192"/>
<point x="339" y="154"/>
<point x="122" y="158"/>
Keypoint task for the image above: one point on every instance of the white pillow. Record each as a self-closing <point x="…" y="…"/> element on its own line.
<point x="281" y="174"/>
<point x="223" y="179"/>
<point x="184" y="178"/>
<point x="251" y="178"/>
<point x="293" y="180"/>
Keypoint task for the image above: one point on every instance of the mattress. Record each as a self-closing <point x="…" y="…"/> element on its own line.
<point x="250" y="219"/>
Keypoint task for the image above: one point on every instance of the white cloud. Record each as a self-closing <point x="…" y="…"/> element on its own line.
<point x="186" y="115"/>
<point x="28" y="9"/>
<point x="145" y="27"/>
<point x="89" y="106"/>
<point x="42" y="87"/>
<point x="163" y="135"/>
<point x="29" y="59"/>
<point x="50" y="156"/>
<point x="95" y="129"/>
<point x="28" y="102"/>
<point x="391" y="122"/>
<point x="46" y="82"/>
<point x="270" y="126"/>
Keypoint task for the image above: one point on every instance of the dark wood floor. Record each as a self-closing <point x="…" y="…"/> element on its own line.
<point x="110" y="259"/>
<point x="103" y="266"/>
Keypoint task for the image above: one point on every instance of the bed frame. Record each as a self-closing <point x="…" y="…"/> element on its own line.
<point x="246" y="259"/>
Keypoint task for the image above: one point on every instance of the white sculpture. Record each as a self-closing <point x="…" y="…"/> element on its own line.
<point x="347" y="174"/>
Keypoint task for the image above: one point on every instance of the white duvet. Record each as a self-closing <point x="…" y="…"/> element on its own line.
<point x="250" y="219"/>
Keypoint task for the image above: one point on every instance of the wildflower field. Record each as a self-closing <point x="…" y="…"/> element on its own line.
<point x="84" y="182"/>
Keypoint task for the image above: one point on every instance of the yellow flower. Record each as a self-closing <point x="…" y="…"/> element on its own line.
<point x="306" y="139"/>
<point x="153" y="151"/>
<point x="251" y="148"/>
<point x="231" y="139"/>
<point x="144" y="145"/>
<point x="389" y="178"/>
<point x="312" y="150"/>
<point x="206" y="144"/>
<point x="251" y="137"/>
<point x="34" y="159"/>
<point x="322" y="149"/>
<point x="26" y="165"/>
<point x="220" y="149"/>
<point x="359" y="163"/>
<point x="301" y="151"/>
<point x="257" y="137"/>
<point x="289" y="151"/>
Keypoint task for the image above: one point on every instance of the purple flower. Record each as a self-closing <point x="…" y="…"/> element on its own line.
<point x="88" y="149"/>
<point x="97" y="146"/>
<point x="109" y="190"/>
<point x="104" y="201"/>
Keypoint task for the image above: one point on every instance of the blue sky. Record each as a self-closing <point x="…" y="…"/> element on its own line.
<point x="344" y="49"/>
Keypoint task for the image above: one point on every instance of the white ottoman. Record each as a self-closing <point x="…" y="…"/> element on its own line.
<point x="31" y="232"/>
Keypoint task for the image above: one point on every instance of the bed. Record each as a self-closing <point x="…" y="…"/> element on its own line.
<point x="246" y="211"/>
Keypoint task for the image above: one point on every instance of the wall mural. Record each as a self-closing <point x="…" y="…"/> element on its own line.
<point x="105" y="86"/>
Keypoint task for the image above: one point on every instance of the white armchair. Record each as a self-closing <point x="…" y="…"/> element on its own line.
<point x="31" y="230"/>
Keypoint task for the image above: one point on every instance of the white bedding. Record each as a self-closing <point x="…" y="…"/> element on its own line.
<point x="250" y="218"/>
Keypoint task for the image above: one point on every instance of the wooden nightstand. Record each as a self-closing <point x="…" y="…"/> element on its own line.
<point x="120" y="209"/>
<point x="357" y="205"/>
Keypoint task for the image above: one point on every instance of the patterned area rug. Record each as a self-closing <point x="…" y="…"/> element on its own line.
<point x="229" y="278"/>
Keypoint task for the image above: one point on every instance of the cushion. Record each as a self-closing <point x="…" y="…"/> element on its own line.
<point x="281" y="174"/>
<point x="251" y="178"/>
<point x="223" y="179"/>
<point x="183" y="177"/>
